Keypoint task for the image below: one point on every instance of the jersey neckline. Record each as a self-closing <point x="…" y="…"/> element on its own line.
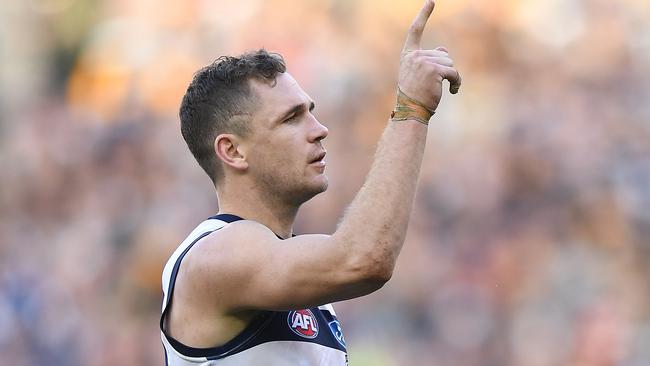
<point x="232" y="218"/>
<point x="226" y="217"/>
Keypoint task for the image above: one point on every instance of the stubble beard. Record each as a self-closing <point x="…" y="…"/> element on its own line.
<point x="288" y="188"/>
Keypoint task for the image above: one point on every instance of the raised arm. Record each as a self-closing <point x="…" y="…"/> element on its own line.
<point x="378" y="217"/>
<point x="244" y="266"/>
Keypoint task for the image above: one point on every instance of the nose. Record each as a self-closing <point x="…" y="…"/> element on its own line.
<point x="318" y="131"/>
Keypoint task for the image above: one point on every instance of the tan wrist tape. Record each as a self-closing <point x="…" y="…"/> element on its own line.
<point x="407" y="108"/>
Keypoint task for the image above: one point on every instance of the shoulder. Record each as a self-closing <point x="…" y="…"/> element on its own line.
<point x="237" y="235"/>
<point x="227" y="249"/>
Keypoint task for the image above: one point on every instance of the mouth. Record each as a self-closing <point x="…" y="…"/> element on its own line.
<point x="318" y="158"/>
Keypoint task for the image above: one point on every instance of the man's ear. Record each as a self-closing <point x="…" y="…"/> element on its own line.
<point x="229" y="150"/>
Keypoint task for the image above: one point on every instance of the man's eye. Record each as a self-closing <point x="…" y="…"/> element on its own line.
<point x="291" y="119"/>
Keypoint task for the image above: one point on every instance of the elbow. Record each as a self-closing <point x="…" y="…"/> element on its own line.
<point x="370" y="266"/>
<point x="378" y="268"/>
<point x="378" y="276"/>
<point x="373" y="280"/>
<point x="374" y="283"/>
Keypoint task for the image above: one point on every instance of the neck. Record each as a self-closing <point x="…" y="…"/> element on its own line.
<point x="250" y="204"/>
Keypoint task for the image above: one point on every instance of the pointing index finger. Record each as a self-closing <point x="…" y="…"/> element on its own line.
<point x="414" y="35"/>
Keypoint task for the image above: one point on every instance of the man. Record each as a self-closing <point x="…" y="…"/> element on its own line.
<point x="243" y="289"/>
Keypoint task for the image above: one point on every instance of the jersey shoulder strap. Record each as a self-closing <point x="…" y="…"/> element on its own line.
<point x="170" y="271"/>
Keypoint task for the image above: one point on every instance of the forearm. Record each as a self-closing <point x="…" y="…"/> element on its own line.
<point x="372" y="231"/>
<point x="374" y="226"/>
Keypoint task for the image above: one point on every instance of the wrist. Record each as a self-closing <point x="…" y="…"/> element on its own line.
<point x="407" y="108"/>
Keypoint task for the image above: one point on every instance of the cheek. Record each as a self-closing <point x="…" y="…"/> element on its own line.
<point x="274" y="163"/>
<point x="279" y="154"/>
<point x="282" y="154"/>
<point x="276" y="158"/>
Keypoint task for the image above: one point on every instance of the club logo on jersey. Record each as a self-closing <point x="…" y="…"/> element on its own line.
<point x="336" y="329"/>
<point x="303" y="323"/>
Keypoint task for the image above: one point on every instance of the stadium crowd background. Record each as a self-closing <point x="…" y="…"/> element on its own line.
<point x="529" y="243"/>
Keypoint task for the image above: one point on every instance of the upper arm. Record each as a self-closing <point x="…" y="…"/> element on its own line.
<point x="245" y="266"/>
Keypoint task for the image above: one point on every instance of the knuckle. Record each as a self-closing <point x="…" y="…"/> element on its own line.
<point x="433" y="69"/>
<point x="410" y="57"/>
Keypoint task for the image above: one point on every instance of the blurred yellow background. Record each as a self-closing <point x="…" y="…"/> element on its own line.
<point x="529" y="243"/>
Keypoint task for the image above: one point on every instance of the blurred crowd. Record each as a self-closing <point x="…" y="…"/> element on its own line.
<point x="529" y="244"/>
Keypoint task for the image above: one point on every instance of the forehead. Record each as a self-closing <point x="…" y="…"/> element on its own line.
<point x="276" y="98"/>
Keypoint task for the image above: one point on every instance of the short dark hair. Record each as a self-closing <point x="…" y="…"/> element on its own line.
<point x="219" y="100"/>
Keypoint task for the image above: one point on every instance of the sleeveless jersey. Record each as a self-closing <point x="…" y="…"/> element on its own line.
<point x="298" y="337"/>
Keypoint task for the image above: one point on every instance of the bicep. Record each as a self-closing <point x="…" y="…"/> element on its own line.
<point x="263" y="272"/>
<point x="303" y="272"/>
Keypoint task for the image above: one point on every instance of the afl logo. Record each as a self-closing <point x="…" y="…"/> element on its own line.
<point x="303" y="323"/>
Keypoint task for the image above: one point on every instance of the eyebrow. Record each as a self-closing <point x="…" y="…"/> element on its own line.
<point x="295" y="110"/>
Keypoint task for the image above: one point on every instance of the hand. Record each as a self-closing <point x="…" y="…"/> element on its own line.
<point x="421" y="72"/>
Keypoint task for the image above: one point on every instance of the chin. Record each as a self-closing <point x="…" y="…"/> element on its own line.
<point x="323" y="184"/>
<point x="317" y="186"/>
